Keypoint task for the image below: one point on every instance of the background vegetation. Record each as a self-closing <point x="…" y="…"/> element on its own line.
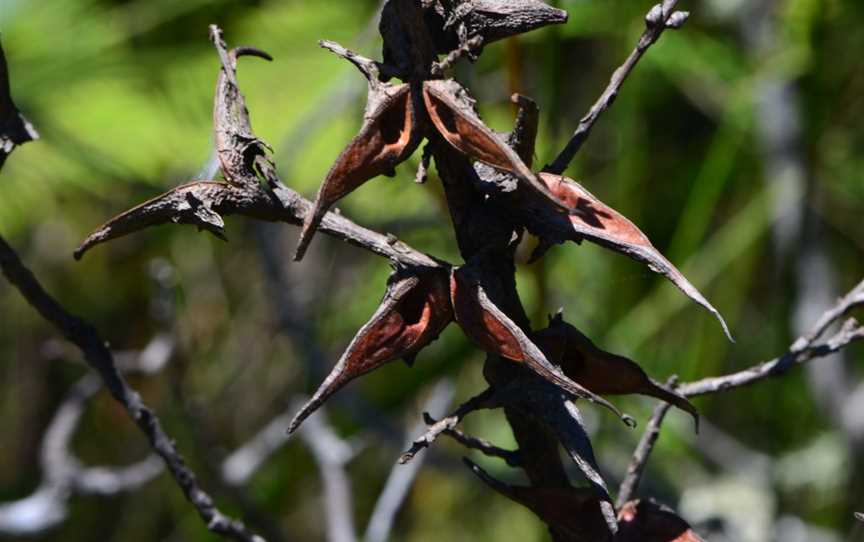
<point x="736" y="146"/>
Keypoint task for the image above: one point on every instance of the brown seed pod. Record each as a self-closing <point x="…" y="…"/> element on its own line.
<point x="414" y="311"/>
<point x="592" y="219"/>
<point x="600" y="371"/>
<point x="485" y="324"/>
<point x="451" y="110"/>
<point x="387" y="138"/>
<point x="575" y="510"/>
<point x="648" y="521"/>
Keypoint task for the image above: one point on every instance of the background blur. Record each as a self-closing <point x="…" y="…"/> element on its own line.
<point x="735" y="145"/>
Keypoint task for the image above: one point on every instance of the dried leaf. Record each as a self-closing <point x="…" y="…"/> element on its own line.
<point x="14" y="128"/>
<point x="187" y="204"/>
<point x="236" y="144"/>
<point x="387" y="138"/>
<point x="594" y="220"/>
<point x="574" y="510"/>
<point x="485" y="324"/>
<point x="414" y="311"/>
<point x="648" y="521"/>
<point x="451" y="110"/>
<point x="600" y="371"/>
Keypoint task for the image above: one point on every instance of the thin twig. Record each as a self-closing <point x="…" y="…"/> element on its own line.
<point x="640" y="457"/>
<point x="100" y="359"/>
<point x="63" y="474"/>
<point x="511" y="457"/>
<point x="661" y="17"/>
<point x="849" y="333"/>
<point x="478" y="402"/>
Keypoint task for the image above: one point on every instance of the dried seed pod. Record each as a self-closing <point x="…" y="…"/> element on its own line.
<point x="387" y="138"/>
<point x="414" y="311"/>
<point x="600" y="371"/>
<point x="592" y="219"/>
<point x="14" y="128"/>
<point x="485" y="324"/>
<point x="451" y="110"/>
<point x="648" y="521"/>
<point x="575" y="510"/>
<point x="498" y="19"/>
<point x="187" y="204"/>
<point x="235" y="142"/>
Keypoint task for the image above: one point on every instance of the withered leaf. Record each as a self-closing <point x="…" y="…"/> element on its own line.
<point x="387" y="138"/>
<point x="487" y="325"/>
<point x="187" y="204"/>
<point x="452" y="112"/>
<point x="235" y="142"/>
<point x="648" y="521"/>
<point x="592" y="219"/>
<point x="600" y="371"/>
<point x="414" y="311"/>
<point x="575" y="510"/>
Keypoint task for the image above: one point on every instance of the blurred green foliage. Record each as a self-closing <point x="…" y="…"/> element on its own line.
<point x="121" y="91"/>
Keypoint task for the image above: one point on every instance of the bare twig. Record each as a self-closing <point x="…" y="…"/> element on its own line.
<point x="661" y="17"/>
<point x="63" y="475"/>
<point x="100" y="359"/>
<point x="402" y="476"/>
<point x="640" y="457"/>
<point x="849" y="333"/>
<point x="478" y="402"/>
<point x="469" y="46"/>
<point x="483" y="446"/>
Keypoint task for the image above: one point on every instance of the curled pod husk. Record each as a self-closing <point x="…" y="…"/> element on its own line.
<point x="414" y="311"/>
<point x="451" y="110"/>
<point x="235" y="142"/>
<point x="388" y="137"/>
<point x="602" y="372"/>
<point x="595" y="221"/>
<point x="487" y="325"/>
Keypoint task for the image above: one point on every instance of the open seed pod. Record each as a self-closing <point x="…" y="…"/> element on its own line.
<point x="414" y="311"/>
<point x="601" y="372"/>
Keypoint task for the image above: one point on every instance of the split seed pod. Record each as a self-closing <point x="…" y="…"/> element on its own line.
<point x="235" y="142"/>
<point x="648" y="521"/>
<point x="600" y="371"/>
<point x="487" y="325"/>
<point x="414" y="311"/>
<point x="575" y="510"/>
<point x="592" y="219"/>
<point x="451" y="110"/>
<point x="387" y="138"/>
